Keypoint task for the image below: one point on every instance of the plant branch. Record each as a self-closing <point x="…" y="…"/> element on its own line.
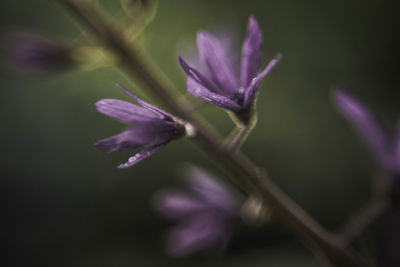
<point x="133" y="63"/>
<point x="360" y="221"/>
<point x="367" y="216"/>
<point x="239" y="134"/>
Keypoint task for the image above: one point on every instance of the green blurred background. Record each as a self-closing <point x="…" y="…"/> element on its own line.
<point x="65" y="204"/>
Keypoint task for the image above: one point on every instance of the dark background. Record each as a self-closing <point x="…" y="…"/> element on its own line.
<point x="64" y="203"/>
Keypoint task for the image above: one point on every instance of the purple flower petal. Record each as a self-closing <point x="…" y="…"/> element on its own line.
<point x="197" y="233"/>
<point x="125" y="111"/>
<point x="118" y="142"/>
<point x="367" y="126"/>
<point x="175" y="204"/>
<point x="220" y="68"/>
<point x="141" y="155"/>
<point x="145" y="104"/>
<point x="149" y="133"/>
<point x="207" y="187"/>
<point x="251" y="53"/>
<point x="152" y="127"/>
<point x="251" y="91"/>
<point x="223" y="89"/>
<point x="198" y="77"/>
<point x="206" y="212"/>
<point x="202" y="92"/>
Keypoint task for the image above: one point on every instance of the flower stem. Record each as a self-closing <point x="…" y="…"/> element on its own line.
<point x="240" y="133"/>
<point x="369" y="215"/>
<point x="360" y="221"/>
<point x="133" y="63"/>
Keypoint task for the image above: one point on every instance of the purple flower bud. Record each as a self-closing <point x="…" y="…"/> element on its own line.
<point x="206" y="210"/>
<point x="220" y="83"/>
<point x="385" y="149"/>
<point x="151" y="127"/>
<point x="34" y="53"/>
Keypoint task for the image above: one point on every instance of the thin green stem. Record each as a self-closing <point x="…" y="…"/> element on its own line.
<point x="240" y="133"/>
<point x="133" y="63"/>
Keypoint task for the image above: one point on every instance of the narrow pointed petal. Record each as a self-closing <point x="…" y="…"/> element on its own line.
<point x="145" y="104"/>
<point x="125" y="111"/>
<point x="211" y="190"/>
<point x="251" y="53"/>
<point x="145" y="153"/>
<point x="117" y="143"/>
<point x="197" y="233"/>
<point x="198" y="77"/>
<point x="219" y="66"/>
<point x="152" y="133"/>
<point x="175" y="204"/>
<point x="251" y="91"/>
<point x="202" y="92"/>
<point x="367" y="126"/>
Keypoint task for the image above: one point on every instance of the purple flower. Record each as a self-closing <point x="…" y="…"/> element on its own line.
<point x="385" y="148"/>
<point x="35" y="53"/>
<point x="152" y="127"/>
<point x="206" y="210"/>
<point x="219" y="83"/>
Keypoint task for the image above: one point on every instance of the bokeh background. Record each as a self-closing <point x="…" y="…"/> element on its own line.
<point x="64" y="203"/>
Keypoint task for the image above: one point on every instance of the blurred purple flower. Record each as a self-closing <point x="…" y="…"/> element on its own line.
<point x="219" y="82"/>
<point x="207" y="210"/>
<point x="153" y="127"/>
<point x="385" y="149"/>
<point x="34" y="53"/>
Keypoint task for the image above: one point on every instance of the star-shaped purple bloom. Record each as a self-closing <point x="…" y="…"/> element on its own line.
<point x="206" y="211"/>
<point x="385" y="148"/>
<point x="151" y="127"/>
<point x="220" y="83"/>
